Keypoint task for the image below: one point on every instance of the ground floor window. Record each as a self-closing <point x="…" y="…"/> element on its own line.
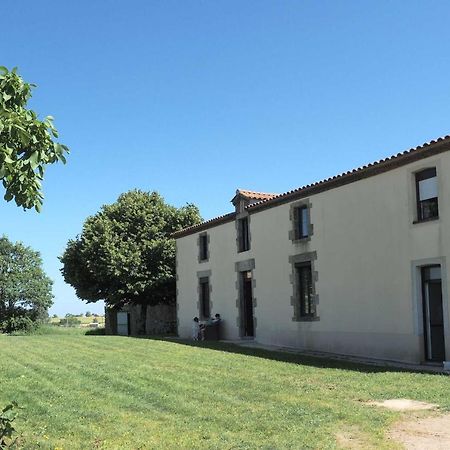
<point x="305" y="289"/>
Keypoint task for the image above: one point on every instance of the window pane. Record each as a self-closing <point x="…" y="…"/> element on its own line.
<point x="428" y="209"/>
<point x="203" y="247"/>
<point x="305" y="290"/>
<point x="305" y="214"/>
<point x="244" y="239"/>
<point x="432" y="273"/>
<point x="302" y="218"/>
<point x="428" y="189"/>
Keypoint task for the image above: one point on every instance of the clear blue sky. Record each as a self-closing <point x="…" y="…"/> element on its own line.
<point x="196" y="98"/>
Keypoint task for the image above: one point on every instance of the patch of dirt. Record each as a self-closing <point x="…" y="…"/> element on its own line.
<point x="418" y="433"/>
<point x="352" y="438"/>
<point x="403" y="404"/>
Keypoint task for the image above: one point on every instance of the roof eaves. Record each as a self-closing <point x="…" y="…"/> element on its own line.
<point x="204" y="225"/>
<point x="383" y="165"/>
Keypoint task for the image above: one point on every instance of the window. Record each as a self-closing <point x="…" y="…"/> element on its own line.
<point x="203" y="243"/>
<point x="244" y="237"/>
<point x="427" y="194"/>
<point x="305" y="290"/>
<point x="300" y="217"/>
<point x="302" y="222"/>
<point x="205" y="310"/>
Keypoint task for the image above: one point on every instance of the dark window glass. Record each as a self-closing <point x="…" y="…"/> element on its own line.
<point x="427" y="194"/>
<point x="244" y="238"/>
<point x="203" y="247"/>
<point x="204" y="298"/>
<point x="305" y="289"/>
<point x="302" y="222"/>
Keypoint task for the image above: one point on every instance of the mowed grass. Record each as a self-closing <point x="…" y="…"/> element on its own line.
<point x="82" y="392"/>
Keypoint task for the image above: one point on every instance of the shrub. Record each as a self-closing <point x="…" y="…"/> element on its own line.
<point x="7" y="417"/>
<point x="18" y="324"/>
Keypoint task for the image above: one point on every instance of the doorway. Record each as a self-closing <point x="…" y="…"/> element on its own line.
<point x="123" y="323"/>
<point x="433" y="314"/>
<point x="247" y="317"/>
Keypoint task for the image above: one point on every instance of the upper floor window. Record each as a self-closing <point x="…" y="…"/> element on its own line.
<point x="300" y="216"/>
<point x="427" y="194"/>
<point x="302" y="222"/>
<point x="244" y="236"/>
<point x="203" y="247"/>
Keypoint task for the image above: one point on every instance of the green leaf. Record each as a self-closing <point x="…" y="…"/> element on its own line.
<point x="34" y="160"/>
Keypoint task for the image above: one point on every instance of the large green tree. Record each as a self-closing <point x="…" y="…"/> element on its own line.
<point x="25" y="290"/>
<point x="27" y="144"/>
<point x="125" y="253"/>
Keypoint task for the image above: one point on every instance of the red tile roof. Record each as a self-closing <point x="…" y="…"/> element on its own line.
<point x="255" y="195"/>
<point x="425" y="150"/>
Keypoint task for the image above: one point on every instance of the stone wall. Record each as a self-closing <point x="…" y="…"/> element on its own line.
<point x="161" y="319"/>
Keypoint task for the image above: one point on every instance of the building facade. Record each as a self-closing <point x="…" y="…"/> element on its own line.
<point x="353" y="265"/>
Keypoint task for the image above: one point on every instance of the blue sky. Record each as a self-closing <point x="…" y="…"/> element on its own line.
<point x="197" y="98"/>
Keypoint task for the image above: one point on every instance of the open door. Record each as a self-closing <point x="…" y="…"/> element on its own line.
<point x="433" y="314"/>
<point x="247" y="305"/>
<point x="123" y="323"/>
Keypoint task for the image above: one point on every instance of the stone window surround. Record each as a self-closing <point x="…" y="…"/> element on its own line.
<point x="239" y="216"/>
<point x="239" y="267"/>
<point x="199" y="240"/>
<point x="293" y="232"/>
<point x="294" y="260"/>
<point x="203" y="274"/>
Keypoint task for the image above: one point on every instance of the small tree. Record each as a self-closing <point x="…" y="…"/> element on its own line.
<point x="25" y="290"/>
<point x="88" y="314"/>
<point x="125" y="253"/>
<point x="26" y="143"/>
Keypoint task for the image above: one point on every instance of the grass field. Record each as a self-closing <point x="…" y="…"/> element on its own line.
<point x="81" y="392"/>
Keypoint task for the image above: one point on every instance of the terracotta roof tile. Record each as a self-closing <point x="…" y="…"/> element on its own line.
<point x="255" y="195"/>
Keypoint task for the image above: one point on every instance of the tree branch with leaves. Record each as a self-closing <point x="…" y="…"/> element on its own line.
<point x="27" y="144"/>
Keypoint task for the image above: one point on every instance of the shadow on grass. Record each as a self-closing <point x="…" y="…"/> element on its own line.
<point x="290" y="357"/>
<point x="95" y="332"/>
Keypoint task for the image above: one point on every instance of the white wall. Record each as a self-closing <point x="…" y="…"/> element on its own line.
<point x="368" y="250"/>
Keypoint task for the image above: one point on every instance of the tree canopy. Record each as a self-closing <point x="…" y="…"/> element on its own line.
<point x="26" y="143"/>
<point x="125" y="253"/>
<point x="25" y="290"/>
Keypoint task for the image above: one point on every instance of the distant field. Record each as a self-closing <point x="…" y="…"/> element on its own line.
<point x="84" y="320"/>
<point x="111" y="392"/>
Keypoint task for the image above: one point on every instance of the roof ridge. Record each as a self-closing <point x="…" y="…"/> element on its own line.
<point x="352" y="171"/>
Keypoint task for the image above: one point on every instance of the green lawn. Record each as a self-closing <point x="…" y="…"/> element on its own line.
<point x="112" y="392"/>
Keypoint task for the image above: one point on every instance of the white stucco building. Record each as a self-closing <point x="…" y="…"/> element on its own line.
<point x="355" y="264"/>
